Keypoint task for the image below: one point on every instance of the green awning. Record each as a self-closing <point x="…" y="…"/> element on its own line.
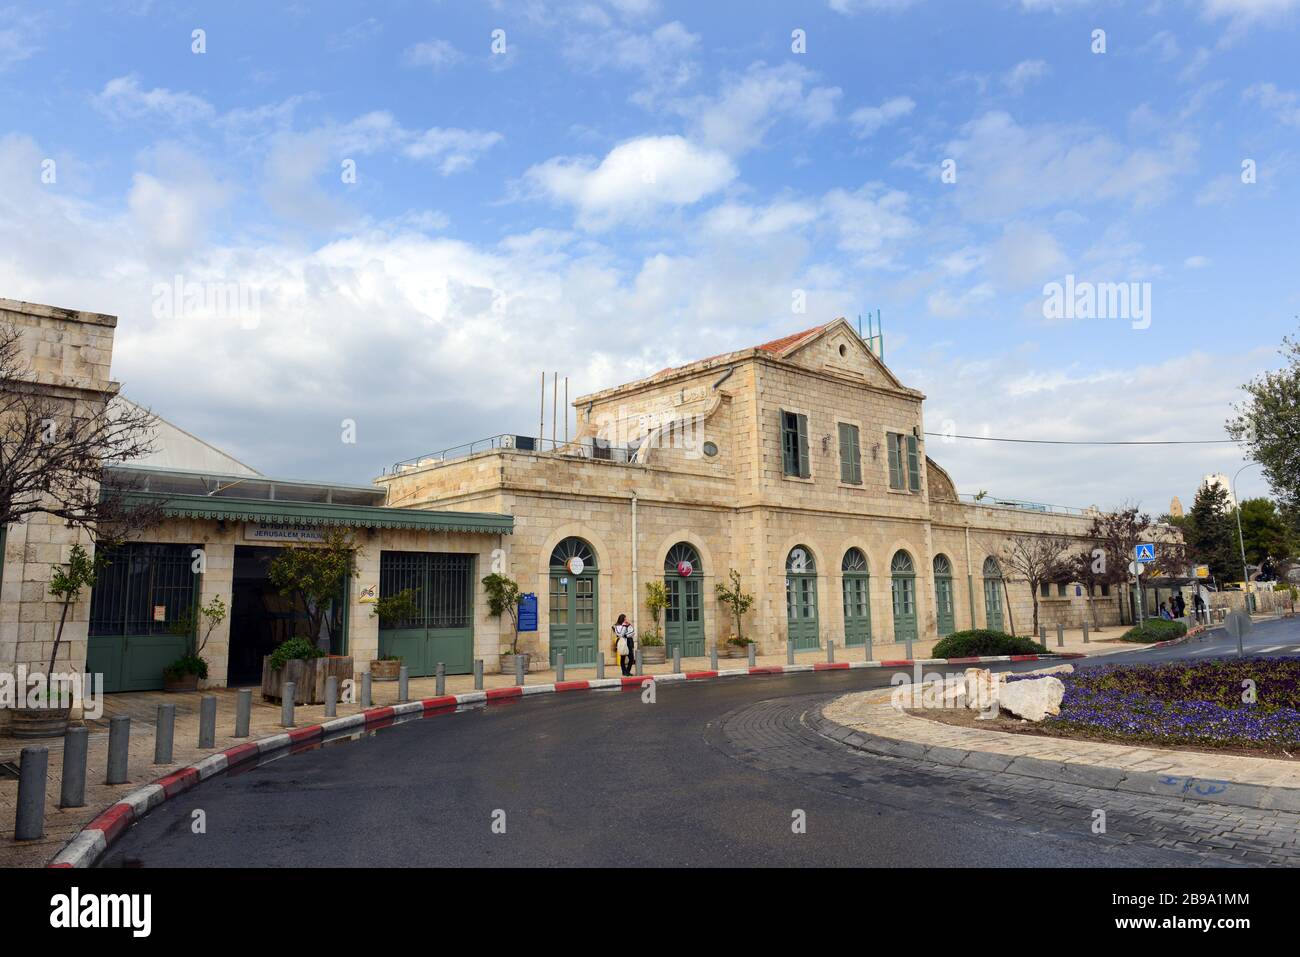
<point x="318" y="513"/>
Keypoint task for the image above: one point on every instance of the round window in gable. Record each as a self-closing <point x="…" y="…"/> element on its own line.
<point x="710" y="449"/>
<point x="844" y="350"/>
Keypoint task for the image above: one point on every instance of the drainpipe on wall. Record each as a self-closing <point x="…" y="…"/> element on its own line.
<point x="970" y="580"/>
<point x="636" y="628"/>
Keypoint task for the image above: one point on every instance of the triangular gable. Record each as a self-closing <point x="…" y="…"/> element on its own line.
<point x="837" y="347"/>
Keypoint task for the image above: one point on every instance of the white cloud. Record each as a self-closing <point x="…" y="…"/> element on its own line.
<point x="633" y="180"/>
<point x="1024" y="255"/>
<point x="1024" y="73"/>
<point x="452" y="149"/>
<point x="868" y="120"/>
<point x="123" y="98"/>
<point x="1196" y="262"/>
<point x="1246" y="12"/>
<point x="750" y="104"/>
<point x="663" y="59"/>
<point x="872" y="222"/>
<point x="435" y="53"/>
<point x="19" y="36"/>
<point x="1284" y="104"/>
<point x="850" y="7"/>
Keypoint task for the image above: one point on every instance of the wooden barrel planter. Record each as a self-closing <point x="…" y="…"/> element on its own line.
<point x="308" y="676"/>
<point x="382" y="669"/>
<point x="38" y="722"/>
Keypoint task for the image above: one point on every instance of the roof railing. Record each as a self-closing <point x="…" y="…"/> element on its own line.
<point x="586" y="448"/>
<point x="996" y="502"/>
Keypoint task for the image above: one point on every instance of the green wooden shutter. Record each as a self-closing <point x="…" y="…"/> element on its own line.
<point x="895" y="464"/>
<point x="787" y="447"/>
<point x="913" y="465"/>
<point x="805" y="469"/>
<point x="850" y="458"/>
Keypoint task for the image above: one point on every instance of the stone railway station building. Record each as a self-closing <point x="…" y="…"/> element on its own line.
<point x="800" y="463"/>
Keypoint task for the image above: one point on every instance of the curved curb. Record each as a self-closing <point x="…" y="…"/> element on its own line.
<point x="1182" y="787"/>
<point x="90" y="843"/>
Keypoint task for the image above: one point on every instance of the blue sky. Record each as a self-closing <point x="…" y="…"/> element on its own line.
<point x="620" y="186"/>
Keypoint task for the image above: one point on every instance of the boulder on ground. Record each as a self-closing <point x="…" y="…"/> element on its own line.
<point x="1055" y="670"/>
<point x="1033" y="699"/>
<point x="983" y="688"/>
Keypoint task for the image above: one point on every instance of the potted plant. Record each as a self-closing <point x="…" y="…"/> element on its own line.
<point x="53" y="705"/>
<point x="395" y="608"/>
<point x="312" y="576"/>
<point x="738" y="601"/>
<point x="651" y="649"/>
<point x="185" y="672"/>
<point x="504" y="598"/>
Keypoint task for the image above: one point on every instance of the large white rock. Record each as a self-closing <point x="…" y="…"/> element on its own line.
<point x="1057" y="670"/>
<point x="1033" y="699"/>
<point x="983" y="688"/>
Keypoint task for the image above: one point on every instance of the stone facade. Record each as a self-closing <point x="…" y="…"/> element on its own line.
<point x="737" y="506"/>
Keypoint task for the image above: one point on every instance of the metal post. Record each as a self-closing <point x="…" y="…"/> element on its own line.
<point x="1060" y="635"/>
<point x="713" y="656"/>
<point x="908" y="644"/>
<point x="559" y="666"/>
<point x="677" y="659"/>
<point x="1241" y="542"/>
<point x="208" y="721"/>
<point x="119" y="748"/>
<point x="868" y="658"/>
<point x="331" y="696"/>
<point x="1042" y="635"/>
<point x="789" y="652"/>
<point x="164" y="734"/>
<point x="640" y="669"/>
<point x="440" y="680"/>
<point x="287" y="694"/>
<point x="366" y="699"/>
<point x="600" y="664"/>
<point x="403" y="683"/>
<point x="1085" y="632"/>
<point x="33" y="765"/>
<point x="73" y="793"/>
<point x="478" y="674"/>
<point x="753" y="654"/>
<point x="830" y="650"/>
<point x="519" y="669"/>
<point x="244" y="712"/>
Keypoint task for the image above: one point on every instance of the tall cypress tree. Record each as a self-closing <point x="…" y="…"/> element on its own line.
<point x="1212" y="533"/>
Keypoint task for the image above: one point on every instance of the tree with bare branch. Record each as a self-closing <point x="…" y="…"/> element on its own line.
<point x="1091" y="568"/>
<point x="1119" y="531"/>
<point x="1035" y="560"/>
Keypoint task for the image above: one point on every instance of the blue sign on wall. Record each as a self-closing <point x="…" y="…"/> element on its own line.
<point x="528" y="613"/>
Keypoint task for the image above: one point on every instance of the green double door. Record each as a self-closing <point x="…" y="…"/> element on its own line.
<point x="943" y="605"/>
<point x="801" y="610"/>
<point x="993" y="603"/>
<point x="574" y="609"/>
<point x="857" y="609"/>
<point x="904" y="597"/>
<point x="684" y="616"/>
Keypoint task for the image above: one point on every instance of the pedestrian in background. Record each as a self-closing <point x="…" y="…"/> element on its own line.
<point x="625" y="644"/>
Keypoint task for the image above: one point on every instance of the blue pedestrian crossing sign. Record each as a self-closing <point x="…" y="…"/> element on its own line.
<point x="1145" y="553"/>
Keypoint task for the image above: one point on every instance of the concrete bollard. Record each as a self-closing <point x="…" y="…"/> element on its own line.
<point x="868" y="658"/>
<point x="753" y="654"/>
<point x="208" y="721"/>
<point x="331" y="696"/>
<point x="366" y="698"/>
<point x="789" y="652"/>
<point x="478" y="674"/>
<point x="1042" y="635"/>
<point x="713" y="657"/>
<point x="677" y="660"/>
<point x="830" y="651"/>
<point x="403" y="683"/>
<point x="164" y="734"/>
<point x="243" y="712"/>
<point x="640" y="666"/>
<point x="600" y="664"/>
<point x="519" y="669"/>
<point x="288" y="692"/>
<point x="559" y="666"/>
<point x="75" y="746"/>
<point x="1060" y="635"/>
<point x="1085" y="632"/>
<point x="33" y="767"/>
<point x="119" y="748"/>
<point x="440" y="679"/>
<point x="908" y="644"/>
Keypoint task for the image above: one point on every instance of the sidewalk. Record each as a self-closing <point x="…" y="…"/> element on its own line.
<point x="62" y="824"/>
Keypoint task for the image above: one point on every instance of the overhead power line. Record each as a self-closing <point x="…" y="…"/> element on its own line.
<point x="989" y="438"/>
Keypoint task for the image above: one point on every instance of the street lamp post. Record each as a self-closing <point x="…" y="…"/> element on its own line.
<point x="1241" y="541"/>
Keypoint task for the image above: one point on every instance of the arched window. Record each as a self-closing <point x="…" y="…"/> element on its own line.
<point x="854" y="561"/>
<point x="991" y="568"/>
<point x="801" y="597"/>
<point x="683" y="552"/>
<point x="942" y="566"/>
<point x="992" y="594"/>
<point x="902" y="564"/>
<point x="903" y="591"/>
<point x="570" y="549"/>
<point x="945" y="619"/>
<point x="857" y="598"/>
<point x="800" y="561"/>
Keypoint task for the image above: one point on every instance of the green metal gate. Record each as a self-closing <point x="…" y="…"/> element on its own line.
<point x="943" y="595"/>
<point x="141" y="614"/>
<point x="575" y="603"/>
<point x="801" y="598"/>
<point x="442" y="584"/>
<point x="857" y="598"/>
<point x="903" y="588"/>
<point x="684" y="616"/>
<point x="992" y="595"/>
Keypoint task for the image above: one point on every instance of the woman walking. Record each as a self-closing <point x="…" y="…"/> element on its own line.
<point x="625" y="644"/>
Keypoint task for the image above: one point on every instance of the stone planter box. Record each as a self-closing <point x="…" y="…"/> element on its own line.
<point x="308" y="676"/>
<point x="728" y="650"/>
<point x="381" y="670"/>
<point x="508" y="662"/>
<point x="652" y="655"/>
<point x="38" y="722"/>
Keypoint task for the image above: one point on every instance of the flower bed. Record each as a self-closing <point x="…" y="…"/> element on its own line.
<point x="1199" y="704"/>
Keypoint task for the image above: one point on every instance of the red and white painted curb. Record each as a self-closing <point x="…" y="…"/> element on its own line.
<point x="96" y="837"/>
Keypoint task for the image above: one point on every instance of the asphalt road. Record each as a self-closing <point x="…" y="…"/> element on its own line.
<point x="711" y="773"/>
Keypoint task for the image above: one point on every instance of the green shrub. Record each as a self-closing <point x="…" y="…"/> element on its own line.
<point x="292" y="650"/>
<point x="979" y="642"/>
<point x="1154" y="629"/>
<point x="186" y="665"/>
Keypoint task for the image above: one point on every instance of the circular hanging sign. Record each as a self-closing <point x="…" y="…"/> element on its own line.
<point x="684" y="569"/>
<point x="576" y="565"/>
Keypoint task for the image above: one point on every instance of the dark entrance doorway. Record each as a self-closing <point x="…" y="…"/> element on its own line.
<point x="261" y="618"/>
